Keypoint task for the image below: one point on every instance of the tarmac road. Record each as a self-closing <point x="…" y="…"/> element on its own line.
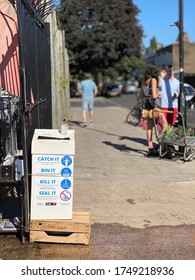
<point x="142" y="208"/>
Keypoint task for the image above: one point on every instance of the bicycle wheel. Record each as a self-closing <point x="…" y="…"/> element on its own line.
<point x="133" y="117"/>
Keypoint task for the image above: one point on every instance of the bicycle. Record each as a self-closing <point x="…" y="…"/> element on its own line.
<point x="135" y="114"/>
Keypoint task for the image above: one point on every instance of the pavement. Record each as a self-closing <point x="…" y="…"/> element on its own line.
<point x="117" y="183"/>
<point x="142" y="208"/>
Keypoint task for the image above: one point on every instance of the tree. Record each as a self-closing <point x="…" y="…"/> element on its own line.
<point x="99" y="33"/>
<point x="153" y="43"/>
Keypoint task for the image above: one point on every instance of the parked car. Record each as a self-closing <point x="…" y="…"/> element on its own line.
<point x="120" y="84"/>
<point x="189" y="91"/>
<point x="110" y="89"/>
<point x="190" y="112"/>
<point x="130" y="87"/>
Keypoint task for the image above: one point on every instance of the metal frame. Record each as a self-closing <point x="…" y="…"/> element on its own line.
<point x="185" y="144"/>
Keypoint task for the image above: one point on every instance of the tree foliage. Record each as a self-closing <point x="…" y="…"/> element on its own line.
<point x="153" y="43"/>
<point x="100" y="33"/>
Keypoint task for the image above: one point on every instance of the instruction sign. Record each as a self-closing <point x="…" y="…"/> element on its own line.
<point x="51" y="197"/>
<point x="52" y="177"/>
<point x="52" y="165"/>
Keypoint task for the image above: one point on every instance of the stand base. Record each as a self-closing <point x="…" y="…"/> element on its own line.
<point x="74" y="231"/>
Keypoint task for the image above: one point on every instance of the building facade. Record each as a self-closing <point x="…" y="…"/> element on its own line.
<point x="170" y="55"/>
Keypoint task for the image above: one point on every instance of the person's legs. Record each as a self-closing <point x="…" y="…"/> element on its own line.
<point x="91" y="114"/>
<point x="84" y="116"/>
<point x="163" y="124"/>
<point x="91" y="111"/>
<point x="149" y="133"/>
<point x="162" y="121"/>
<point x="84" y="111"/>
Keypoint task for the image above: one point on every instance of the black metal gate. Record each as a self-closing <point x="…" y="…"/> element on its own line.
<point x="35" y="80"/>
<point x="35" y="62"/>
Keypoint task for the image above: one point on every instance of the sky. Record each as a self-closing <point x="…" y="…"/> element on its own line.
<point x="157" y="16"/>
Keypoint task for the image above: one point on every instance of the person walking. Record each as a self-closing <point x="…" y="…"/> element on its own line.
<point x="170" y="88"/>
<point x="88" y="90"/>
<point x="150" y="87"/>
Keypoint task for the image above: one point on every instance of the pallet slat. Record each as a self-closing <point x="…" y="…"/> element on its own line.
<point x="74" y="238"/>
<point x="75" y="231"/>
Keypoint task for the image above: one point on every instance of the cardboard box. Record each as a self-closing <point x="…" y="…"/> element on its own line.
<point x="52" y="174"/>
<point x="50" y="141"/>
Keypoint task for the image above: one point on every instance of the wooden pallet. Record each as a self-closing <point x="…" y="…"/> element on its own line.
<point x="74" y="231"/>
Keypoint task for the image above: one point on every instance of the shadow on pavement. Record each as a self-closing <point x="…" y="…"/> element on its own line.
<point x="135" y="139"/>
<point x="123" y="148"/>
